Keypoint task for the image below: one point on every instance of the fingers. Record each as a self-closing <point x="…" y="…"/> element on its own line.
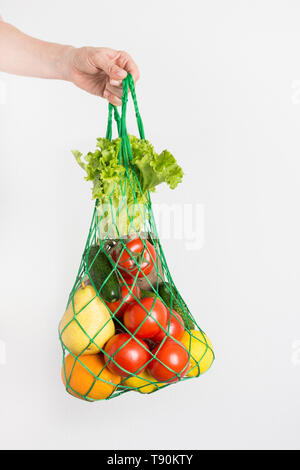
<point x="115" y="90"/>
<point x="126" y="63"/>
<point x="115" y="72"/>
<point x="109" y="66"/>
<point x="113" y="99"/>
<point x="116" y="65"/>
<point x="117" y="83"/>
<point x="114" y="93"/>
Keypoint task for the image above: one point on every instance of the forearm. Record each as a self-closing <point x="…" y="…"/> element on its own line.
<point x="97" y="70"/>
<point x="21" y="54"/>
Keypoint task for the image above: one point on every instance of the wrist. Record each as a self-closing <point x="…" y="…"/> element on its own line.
<point x="64" y="63"/>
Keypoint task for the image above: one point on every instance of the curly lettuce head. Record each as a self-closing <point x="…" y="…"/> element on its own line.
<point x="122" y="192"/>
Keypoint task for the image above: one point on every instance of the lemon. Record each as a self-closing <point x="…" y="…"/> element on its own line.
<point x="143" y="382"/>
<point x="201" y="352"/>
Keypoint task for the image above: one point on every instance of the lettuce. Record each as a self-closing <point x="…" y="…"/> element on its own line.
<point x="113" y="183"/>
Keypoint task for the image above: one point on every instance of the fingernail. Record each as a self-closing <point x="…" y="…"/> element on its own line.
<point x="122" y="74"/>
<point x="115" y="82"/>
<point x="105" y="94"/>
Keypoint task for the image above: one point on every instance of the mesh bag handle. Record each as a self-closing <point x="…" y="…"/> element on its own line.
<point x="112" y="109"/>
<point x="128" y="82"/>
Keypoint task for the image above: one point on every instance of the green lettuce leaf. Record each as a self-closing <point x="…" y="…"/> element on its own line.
<point x="124" y="190"/>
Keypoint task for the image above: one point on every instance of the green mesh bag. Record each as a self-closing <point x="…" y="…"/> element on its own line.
<point x="126" y="327"/>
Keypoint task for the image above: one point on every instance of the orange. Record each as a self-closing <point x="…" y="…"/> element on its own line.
<point x="96" y="383"/>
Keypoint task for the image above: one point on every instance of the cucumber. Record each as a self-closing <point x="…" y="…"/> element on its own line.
<point x="103" y="275"/>
<point x="170" y="296"/>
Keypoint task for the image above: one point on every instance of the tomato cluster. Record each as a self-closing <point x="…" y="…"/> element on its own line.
<point x="136" y="258"/>
<point x="151" y="333"/>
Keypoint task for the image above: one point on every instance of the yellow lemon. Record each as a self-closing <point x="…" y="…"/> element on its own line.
<point x="144" y="382"/>
<point x="201" y="352"/>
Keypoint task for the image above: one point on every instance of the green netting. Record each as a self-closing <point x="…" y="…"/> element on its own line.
<point x="125" y="318"/>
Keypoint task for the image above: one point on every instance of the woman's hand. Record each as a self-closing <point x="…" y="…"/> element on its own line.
<point x="100" y="71"/>
<point x="97" y="70"/>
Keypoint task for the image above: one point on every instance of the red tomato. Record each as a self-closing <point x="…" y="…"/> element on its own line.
<point x="169" y="355"/>
<point x="129" y="293"/>
<point x="175" y="328"/>
<point x="145" y="319"/>
<point x="136" y="254"/>
<point x="132" y="357"/>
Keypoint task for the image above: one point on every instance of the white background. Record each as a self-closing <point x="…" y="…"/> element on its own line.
<point x="220" y="88"/>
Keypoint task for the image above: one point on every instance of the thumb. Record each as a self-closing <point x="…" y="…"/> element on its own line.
<point x="110" y="67"/>
<point x="115" y="72"/>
